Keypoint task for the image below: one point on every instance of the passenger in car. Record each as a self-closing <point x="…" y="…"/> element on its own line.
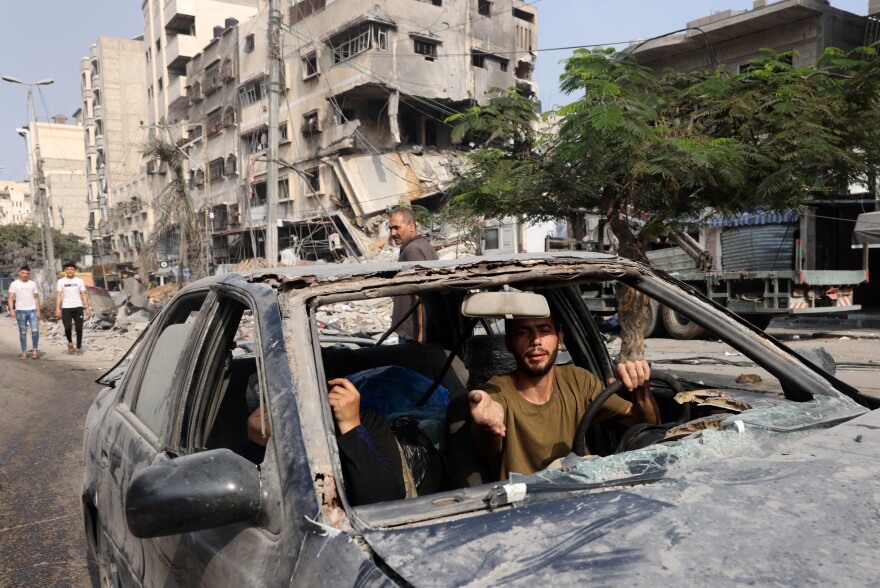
<point x="525" y="420"/>
<point x="371" y="460"/>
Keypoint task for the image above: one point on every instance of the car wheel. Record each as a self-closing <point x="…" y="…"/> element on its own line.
<point x="679" y="326"/>
<point x="654" y="326"/>
<point x="107" y="572"/>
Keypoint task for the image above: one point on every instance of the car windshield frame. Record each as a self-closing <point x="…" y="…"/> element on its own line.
<point x="819" y="401"/>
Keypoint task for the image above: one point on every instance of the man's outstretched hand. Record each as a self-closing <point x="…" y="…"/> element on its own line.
<point x="487" y="413"/>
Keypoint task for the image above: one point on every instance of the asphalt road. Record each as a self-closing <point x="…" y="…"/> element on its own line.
<point x="43" y="404"/>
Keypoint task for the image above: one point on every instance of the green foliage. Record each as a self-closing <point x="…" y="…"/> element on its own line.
<point x="506" y="122"/>
<point x="21" y="243"/>
<point x="669" y="149"/>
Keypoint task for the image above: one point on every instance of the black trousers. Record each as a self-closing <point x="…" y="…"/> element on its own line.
<point x="74" y="315"/>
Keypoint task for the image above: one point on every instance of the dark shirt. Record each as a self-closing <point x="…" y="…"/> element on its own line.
<point x="370" y="459"/>
<point x="416" y="249"/>
<point x="371" y="462"/>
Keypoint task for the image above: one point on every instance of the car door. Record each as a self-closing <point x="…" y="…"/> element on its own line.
<point x="240" y="360"/>
<point x="137" y="429"/>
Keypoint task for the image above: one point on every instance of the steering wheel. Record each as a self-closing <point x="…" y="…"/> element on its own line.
<point x="580" y="437"/>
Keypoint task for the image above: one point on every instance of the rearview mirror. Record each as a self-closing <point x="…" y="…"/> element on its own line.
<point x="505" y="305"/>
<point x="192" y="493"/>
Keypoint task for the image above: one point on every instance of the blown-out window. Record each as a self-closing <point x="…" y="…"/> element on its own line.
<point x="355" y="42"/>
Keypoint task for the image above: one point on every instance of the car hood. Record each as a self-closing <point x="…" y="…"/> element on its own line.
<point x="808" y="514"/>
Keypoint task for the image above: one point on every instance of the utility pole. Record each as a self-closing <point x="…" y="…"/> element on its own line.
<point x="272" y="164"/>
<point x="40" y="183"/>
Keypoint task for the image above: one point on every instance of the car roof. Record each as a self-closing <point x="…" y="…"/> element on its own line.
<point x="333" y="272"/>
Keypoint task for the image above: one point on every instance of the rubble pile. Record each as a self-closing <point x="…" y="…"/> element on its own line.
<point x="119" y="317"/>
<point x="158" y="296"/>
<point x="357" y="318"/>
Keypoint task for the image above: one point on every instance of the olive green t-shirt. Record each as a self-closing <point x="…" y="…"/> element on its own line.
<point x="538" y="434"/>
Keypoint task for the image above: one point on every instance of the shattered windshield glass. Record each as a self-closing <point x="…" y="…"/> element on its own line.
<point x="754" y="433"/>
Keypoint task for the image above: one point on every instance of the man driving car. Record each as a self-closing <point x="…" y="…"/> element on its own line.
<point x="525" y="420"/>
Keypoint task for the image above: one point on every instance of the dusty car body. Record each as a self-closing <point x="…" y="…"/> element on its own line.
<point x="746" y="487"/>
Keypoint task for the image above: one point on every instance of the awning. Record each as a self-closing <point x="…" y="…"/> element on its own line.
<point x="754" y="217"/>
<point x="867" y="230"/>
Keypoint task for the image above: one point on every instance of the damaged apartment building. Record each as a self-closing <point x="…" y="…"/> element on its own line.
<point x="367" y="86"/>
<point x="132" y="89"/>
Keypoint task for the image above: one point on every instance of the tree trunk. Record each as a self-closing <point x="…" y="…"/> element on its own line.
<point x="632" y="305"/>
<point x="577" y="226"/>
<point x="632" y="314"/>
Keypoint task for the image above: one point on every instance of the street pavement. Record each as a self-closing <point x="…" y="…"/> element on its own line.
<point x="854" y="347"/>
<point x="43" y="404"/>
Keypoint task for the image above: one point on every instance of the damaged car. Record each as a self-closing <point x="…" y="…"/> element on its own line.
<point x="768" y="482"/>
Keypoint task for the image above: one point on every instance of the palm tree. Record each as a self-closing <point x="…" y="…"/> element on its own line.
<point x="174" y="215"/>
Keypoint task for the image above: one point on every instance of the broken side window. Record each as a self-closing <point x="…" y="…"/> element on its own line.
<point x="311" y="122"/>
<point x="357" y="41"/>
<point x="154" y="392"/>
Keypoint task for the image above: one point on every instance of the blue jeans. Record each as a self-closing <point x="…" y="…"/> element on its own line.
<point x="25" y="318"/>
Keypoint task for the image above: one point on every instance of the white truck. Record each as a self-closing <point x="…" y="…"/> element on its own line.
<point x="761" y="275"/>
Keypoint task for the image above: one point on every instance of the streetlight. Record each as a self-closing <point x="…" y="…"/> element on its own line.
<point x="40" y="183"/>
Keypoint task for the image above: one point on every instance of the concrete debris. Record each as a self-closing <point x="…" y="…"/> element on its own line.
<point x="158" y="296"/>
<point x="250" y="263"/>
<point x="358" y="317"/>
<point x="135" y="292"/>
<point x="748" y="379"/>
<point x="103" y="307"/>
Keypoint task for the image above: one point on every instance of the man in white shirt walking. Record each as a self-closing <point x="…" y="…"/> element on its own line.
<point x="70" y="301"/>
<point x="24" y="306"/>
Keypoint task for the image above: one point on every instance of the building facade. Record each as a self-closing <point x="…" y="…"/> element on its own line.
<point x="112" y="115"/>
<point x="367" y="89"/>
<point x="62" y="153"/>
<point x="15" y="203"/>
<point x="212" y="141"/>
<point x="731" y="38"/>
<point x="174" y="32"/>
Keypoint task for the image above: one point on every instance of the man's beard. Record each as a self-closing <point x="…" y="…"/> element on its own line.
<point x="537" y="371"/>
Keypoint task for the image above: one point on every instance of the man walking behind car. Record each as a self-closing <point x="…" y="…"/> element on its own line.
<point x="24" y="307"/>
<point x="70" y="301"/>
<point x="413" y="247"/>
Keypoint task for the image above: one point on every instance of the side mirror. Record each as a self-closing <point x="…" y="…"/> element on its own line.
<point x="192" y="493"/>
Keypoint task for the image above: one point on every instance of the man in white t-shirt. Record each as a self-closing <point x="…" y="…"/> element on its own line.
<point x="70" y="301"/>
<point x="24" y="306"/>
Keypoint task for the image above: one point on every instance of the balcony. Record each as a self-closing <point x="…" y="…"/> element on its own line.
<point x="180" y="49"/>
<point x="176" y="89"/>
<point x="180" y="15"/>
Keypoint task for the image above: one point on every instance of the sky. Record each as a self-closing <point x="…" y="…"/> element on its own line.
<point x="48" y="38"/>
